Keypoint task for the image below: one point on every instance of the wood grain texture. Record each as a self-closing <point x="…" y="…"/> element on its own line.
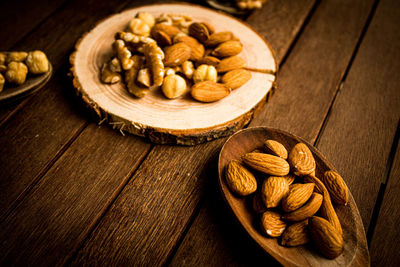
<point x="308" y="81"/>
<point x="57" y="215"/>
<point x="153" y="210"/>
<point x="364" y="117"/>
<point x="183" y="120"/>
<point x="177" y="203"/>
<point x="384" y="244"/>
<point x="355" y="246"/>
<point x="39" y="130"/>
<point x="299" y="78"/>
<point x="280" y="33"/>
<point x="20" y="17"/>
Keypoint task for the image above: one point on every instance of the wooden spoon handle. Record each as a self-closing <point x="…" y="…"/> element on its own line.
<point x="327" y="210"/>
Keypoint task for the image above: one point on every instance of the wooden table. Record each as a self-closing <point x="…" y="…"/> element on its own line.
<point x="76" y="193"/>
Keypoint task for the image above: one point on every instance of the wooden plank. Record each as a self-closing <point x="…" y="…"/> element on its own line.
<point x="19" y="17"/>
<point x="50" y="222"/>
<point x="39" y="130"/>
<point x="153" y="210"/>
<point x="144" y="229"/>
<point x="303" y="73"/>
<point x="360" y="130"/>
<point x="384" y="246"/>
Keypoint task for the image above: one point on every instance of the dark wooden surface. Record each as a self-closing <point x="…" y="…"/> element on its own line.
<point x="76" y="193"/>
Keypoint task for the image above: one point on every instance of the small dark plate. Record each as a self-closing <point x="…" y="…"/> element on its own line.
<point x="32" y="84"/>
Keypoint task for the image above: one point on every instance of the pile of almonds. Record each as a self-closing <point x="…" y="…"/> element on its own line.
<point x="178" y="55"/>
<point x="292" y="202"/>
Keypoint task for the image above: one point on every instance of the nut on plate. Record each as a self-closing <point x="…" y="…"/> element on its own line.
<point x="295" y="234"/>
<point x="205" y="73"/>
<point x="271" y="224"/>
<point x="37" y="62"/>
<point x="2" y="81"/>
<point x="267" y="163"/>
<point x="336" y="186"/>
<point x="273" y="190"/>
<point x="173" y="86"/>
<point x="209" y="91"/>
<point x="297" y="196"/>
<point x="240" y="180"/>
<point x="325" y="237"/>
<point x="236" y="78"/>
<point x="16" y="72"/>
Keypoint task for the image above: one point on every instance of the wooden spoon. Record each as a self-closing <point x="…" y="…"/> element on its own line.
<point x="355" y="248"/>
<point x="32" y="84"/>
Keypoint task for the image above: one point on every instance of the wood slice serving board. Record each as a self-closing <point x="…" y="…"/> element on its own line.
<point x="161" y="120"/>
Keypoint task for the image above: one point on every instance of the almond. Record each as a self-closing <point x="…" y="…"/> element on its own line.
<point x="266" y="163"/>
<point x="241" y="181"/>
<point x="209" y="27"/>
<point x="162" y="38"/>
<point x="208" y="60"/>
<point x="275" y="148"/>
<point x="326" y="238"/>
<point x="306" y="211"/>
<point x="199" y="31"/>
<point x="227" y="49"/>
<point x="271" y="223"/>
<point x="337" y="187"/>
<point x="297" y="196"/>
<point x="301" y="160"/>
<point x="295" y="234"/>
<point x="236" y="78"/>
<point x="274" y="188"/>
<point x="209" y="91"/>
<point x="231" y="63"/>
<point x="219" y="38"/>
<point x="170" y="30"/>
<point x="196" y="47"/>
<point x="176" y="54"/>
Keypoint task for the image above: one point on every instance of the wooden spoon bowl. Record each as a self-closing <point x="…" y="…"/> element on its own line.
<point x="355" y="248"/>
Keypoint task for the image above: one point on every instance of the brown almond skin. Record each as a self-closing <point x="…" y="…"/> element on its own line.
<point x="170" y="30"/>
<point x="196" y="47"/>
<point x="306" y="211"/>
<point x="336" y="186"/>
<point x="266" y="163"/>
<point x="295" y="234"/>
<point x="271" y="224"/>
<point x="301" y="160"/>
<point x="298" y="195"/>
<point x="230" y="63"/>
<point x="240" y="181"/>
<point x="176" y="54"/>
<point x="219" y="38"/>
<point x="274" y="188"/>
<point x="199" y="31"/>
<point x="325" y="237"/>
<point x="276" y="148"/>
<point x="236" y="78"/>
<point x="209" y="91"/>
<point x="228" y="49"/>
<point x="208" y="60"/>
